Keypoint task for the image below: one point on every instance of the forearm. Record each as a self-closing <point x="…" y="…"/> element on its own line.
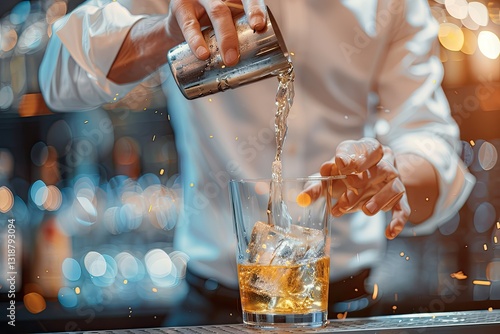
<point x="142" y="52"/>
<point x="422" y="185"/>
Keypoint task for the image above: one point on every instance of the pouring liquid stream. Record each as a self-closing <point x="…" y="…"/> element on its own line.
<point x="277" y="211"/>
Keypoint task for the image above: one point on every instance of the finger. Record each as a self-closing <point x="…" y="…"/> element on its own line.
<point x="225" y="31"/>
<point x="187" y="20"/>
<point x="385" y="198"/>
<point x="355" y="156"/>
<point x="383" y="172"/>
<point x="257" y="13"/>
<point x="400" y="215"/>
<point x="388" y="155"/>
<point x="328" y="168"/>
<point x="350" y="201"/>
<point x="338" y="186"/>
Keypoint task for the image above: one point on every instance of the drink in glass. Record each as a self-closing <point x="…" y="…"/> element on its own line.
<point x="282" y="256"/>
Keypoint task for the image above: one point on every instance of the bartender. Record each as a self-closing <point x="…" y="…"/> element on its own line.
<point x="368" y="104"/>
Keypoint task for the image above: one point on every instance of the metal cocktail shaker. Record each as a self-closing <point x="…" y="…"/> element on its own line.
<point x="262" y="54"/>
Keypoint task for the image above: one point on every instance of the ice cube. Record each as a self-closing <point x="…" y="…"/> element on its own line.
<point x="273" y="245"/>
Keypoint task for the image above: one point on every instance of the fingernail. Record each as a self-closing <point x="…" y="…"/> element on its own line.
<point x="231" y="57"/>
<point x="257" y="22"/>
<point x="371" y="207"/>
<point x="396" y="229"/>
<point x="201" y="52"/>
<point x="351" y="196"/>
<point x="344" y="161"/>
<point x="336" y="212"/>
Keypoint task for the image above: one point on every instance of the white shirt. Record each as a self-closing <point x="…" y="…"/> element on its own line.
<point x="363" y="68"/>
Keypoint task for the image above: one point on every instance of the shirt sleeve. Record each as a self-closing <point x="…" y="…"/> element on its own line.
<point x="414" y="115"/>
<point x="80" y="52"/>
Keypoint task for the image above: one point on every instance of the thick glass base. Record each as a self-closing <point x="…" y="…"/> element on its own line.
<point x="270" y="321"/>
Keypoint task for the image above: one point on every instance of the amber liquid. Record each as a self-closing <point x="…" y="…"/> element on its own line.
<point x="294" y="289"/>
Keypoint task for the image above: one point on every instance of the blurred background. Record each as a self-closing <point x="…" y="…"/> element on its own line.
<point x="91" y="196"/>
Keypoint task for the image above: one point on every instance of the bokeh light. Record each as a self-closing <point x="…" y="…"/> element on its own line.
<point x="67" y="297"/>
<point x="478" y="13"/>
<point x="484" y="217"/>
<point x="6" y="96"/>
<point x="95" y="264"/>
<point x="9" y="39"/>
<point x="6" y="199"/>
<point x="162" y="206"/>
<point x="262" y="188"/>
<point x="457" y="8"/>
<point x="451" y="36"/>
<point x="129" y="267"/>
<point x="470" y="42"/>
<point x="39" y="193"/>
<point x="489" y="44"/>
<point x="84" y="211"/>
<point x="54" y="199"/>
<point x="71" y="269"/>
<point x="31" y="39"/>
<point x="469" y="23"/>
<point x="158" y="263"/>
<point x="55" y="11"/>
<point x="494" y="11"/>
<point x="20" y="13"/>
<point x="34" y="302"/>
<point x="109" y="275"/>
<point x="487" y="155"/>
<point x="493" y="271"/>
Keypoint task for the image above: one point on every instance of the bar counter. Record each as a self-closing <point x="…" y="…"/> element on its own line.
<point x="480" y="321"/>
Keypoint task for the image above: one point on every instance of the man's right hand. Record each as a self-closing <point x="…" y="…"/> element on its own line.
<point x="187" y="18"/>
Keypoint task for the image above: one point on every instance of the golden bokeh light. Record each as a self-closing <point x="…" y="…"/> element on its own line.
<point x="6" y="199"/>
<point x="470" y="42"/>
<point x="303" y="200"/>
<point x="494" y="11"/>
<point x="56" y="11"/>
<point x="451" y="36"/>
<point x="34" y="302"/>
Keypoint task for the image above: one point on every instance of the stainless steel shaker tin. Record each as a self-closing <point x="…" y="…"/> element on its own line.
<point x="262" y="54"/>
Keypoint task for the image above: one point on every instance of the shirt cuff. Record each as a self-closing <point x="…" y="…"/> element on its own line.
<point x="454" y="189"/>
